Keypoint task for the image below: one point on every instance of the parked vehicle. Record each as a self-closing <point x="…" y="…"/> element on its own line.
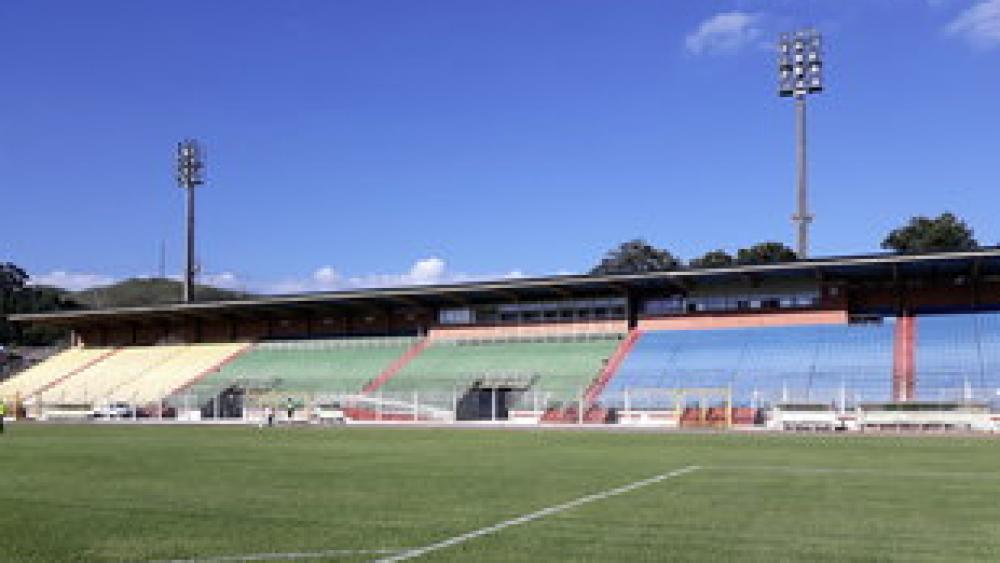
<point x="115" y="411"/>
<point x="329" y="413"/>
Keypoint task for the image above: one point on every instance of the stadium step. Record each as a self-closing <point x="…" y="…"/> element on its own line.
<point x="215" y="368"/>
<point x="609" y="371"/>
<point x="593" y="413"/>
<point x="396" y="366"/>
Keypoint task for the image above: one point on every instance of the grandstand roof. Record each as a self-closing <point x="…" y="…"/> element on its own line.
<point x="872" y="267"/>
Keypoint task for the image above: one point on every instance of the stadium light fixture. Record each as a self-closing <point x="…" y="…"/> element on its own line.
<point x="800" y="73"/>
<point x="190" y="174"/>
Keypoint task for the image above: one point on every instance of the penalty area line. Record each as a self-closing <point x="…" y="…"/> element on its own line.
<point x="413" y="553"/>
<point x="285" y="556"/>
<point x="808" y="470"/>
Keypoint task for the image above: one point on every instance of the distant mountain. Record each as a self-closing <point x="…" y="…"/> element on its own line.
<point x="143" y="292"/>
<point x="137" y="292"/>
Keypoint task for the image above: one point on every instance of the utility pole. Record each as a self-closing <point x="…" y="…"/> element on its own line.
<point x="190" y="174"/>
<point x="800" y="72"/>
<point x="162" y="270"/>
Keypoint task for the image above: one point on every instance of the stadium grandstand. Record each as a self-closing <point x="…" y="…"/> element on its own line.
<point x="876" y="342"/>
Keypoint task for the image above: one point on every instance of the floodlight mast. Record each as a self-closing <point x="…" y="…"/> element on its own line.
<point x="190" y="174"/>
<point x="800" y="72"/>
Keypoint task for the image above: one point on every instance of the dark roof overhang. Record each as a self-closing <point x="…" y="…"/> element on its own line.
<point x="878" y="267"/>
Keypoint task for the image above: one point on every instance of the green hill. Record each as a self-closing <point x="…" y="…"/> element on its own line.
<point x="141" y="292"/>
<point x="19" y="297"/>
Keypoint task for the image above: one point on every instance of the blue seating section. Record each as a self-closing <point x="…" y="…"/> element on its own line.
<point x="958" y="356"/>
<point x="763" y="365"/>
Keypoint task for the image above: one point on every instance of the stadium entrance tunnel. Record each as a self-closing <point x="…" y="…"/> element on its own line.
<point x="491" y="398"/>
<point x="227" y="404"/>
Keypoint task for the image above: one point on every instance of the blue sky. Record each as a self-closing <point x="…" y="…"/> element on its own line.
<point x="379" y="142"/>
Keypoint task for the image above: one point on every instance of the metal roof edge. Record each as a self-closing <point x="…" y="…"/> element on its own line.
<point x="518" y="283"/>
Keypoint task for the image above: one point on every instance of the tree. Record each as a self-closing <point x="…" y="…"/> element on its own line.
<point x="765" y="253"/>
<point x="922" y="234"/>
<point x="635" y="257"/>
<point x="12" y="278"/>
<point x="713" y="259"/>
<point x="17" y="296"/>
<point x="12" y="282"/>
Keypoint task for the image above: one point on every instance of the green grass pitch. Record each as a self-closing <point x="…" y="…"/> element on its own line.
<point x="94" y="493"/>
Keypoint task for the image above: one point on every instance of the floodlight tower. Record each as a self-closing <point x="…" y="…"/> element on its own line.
<point x="800" y="72"/>
<point x="190" y="174"/>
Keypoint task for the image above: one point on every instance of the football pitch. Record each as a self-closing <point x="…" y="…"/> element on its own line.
<point x="151" y="493"/>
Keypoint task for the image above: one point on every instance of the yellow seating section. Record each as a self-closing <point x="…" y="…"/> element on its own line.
<point x="37" y="377"/>
<point x="94" y="383"/>
<point x="177" y="371"/>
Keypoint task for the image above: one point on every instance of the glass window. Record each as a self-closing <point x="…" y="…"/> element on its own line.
<point x="456" y="316"/>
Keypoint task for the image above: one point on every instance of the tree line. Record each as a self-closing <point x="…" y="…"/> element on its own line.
<point x="17" y="296"/>
<point x="943" y="233"/>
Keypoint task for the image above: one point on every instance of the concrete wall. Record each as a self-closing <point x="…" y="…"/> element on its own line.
<point x="791" y="318"/>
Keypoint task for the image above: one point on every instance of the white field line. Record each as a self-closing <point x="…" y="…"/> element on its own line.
<point x="413" y="553"/>
<point x="791" y="470"/>
<point x="286" y="556"/>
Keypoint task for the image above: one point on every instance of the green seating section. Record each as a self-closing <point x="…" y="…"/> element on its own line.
<point x="563" y="367"/>
<point x="303" y="366"/>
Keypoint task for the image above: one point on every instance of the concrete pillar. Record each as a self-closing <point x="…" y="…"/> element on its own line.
<point x="904" y="359"/>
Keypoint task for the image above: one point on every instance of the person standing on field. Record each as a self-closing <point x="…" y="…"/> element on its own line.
<point x="290" y="405"/>
<point x="269" y="413"/>
<point x="3" y="413"/>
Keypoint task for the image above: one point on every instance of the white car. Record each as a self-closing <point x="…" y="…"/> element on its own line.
<point x="113" y="411"/>
<point x="329" y="413"/>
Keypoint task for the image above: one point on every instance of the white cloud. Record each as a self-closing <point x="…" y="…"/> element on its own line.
<point x="428" y="270"/>
<point x="326" y="274"/>
<point x="425" y="271"/>
<point x="325" y="278"/>
<point x="978" y="24"/>
<point x="724" y="33"/>
<point x="73" y="281"/>
<point x="225" y="280"/>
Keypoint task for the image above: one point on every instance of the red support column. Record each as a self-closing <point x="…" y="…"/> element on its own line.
<point x="903" y="359"/>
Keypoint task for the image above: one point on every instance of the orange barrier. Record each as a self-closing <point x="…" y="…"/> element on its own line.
<point x="796" y="318"/>
<point x="570" y="415"/>
<point x="371" y="415"/>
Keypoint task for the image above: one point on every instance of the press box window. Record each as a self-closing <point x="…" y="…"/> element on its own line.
<point x="456" y="316"/>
